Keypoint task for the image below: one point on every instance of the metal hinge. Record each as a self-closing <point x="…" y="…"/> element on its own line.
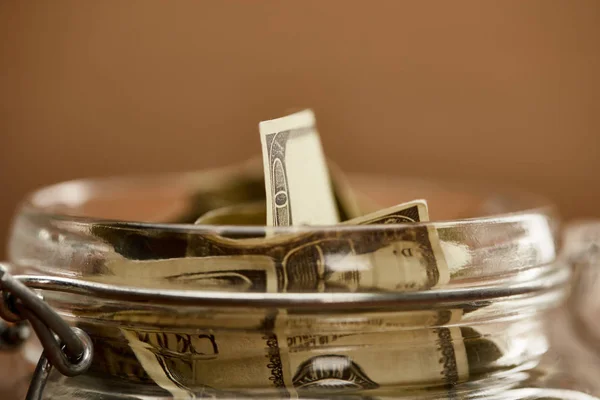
<point x="68" y="349"/>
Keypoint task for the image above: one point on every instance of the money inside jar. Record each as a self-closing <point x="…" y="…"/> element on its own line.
<point x="314" y="234"/>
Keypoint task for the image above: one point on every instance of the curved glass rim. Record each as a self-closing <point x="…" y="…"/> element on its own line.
<point x="85" y="189"/>
<point x="555" y="280"/>
<point x="489" y="250"/>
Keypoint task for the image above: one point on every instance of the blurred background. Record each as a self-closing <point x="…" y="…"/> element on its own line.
<point x="507" y="92"/>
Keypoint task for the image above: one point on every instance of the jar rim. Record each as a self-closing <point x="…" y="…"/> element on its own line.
<point x="465" y="253"/>
<point x="549" y="279"/>
<point x="65" y="201"/>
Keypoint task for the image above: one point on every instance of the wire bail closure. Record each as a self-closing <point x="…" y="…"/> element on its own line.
<point x="68" y="349"/>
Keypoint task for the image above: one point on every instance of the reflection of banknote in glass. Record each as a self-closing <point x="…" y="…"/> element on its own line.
<point x="252" y="273"/>
<point x="298" y="192"/>
<point x="405" y="349"/>
<point x="395" y="258"/>
<point x="411" y="349"/>
<point x="304" y="363"/>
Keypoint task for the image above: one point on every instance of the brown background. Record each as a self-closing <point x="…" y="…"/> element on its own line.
<point x="507" y="91"/>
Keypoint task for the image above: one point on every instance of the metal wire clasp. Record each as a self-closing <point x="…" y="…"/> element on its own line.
<point x="68" y="349"/>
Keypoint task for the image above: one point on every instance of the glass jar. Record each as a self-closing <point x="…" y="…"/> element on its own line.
<point x="466" y="307"/>
<point x="582" y="250"/>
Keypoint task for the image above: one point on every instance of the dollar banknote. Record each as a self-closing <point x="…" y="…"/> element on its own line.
<point x="302" y="365"/>
<point x="396" y="258"/>
<point x="348" y="204"/>
<point x="299" y="356"/>
<point x="297" y="183"/>
<point x="273" y="356"/>
<point x="281" y="354"/>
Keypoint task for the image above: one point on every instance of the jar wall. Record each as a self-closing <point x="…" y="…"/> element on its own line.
<point x="268" y="320"/>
